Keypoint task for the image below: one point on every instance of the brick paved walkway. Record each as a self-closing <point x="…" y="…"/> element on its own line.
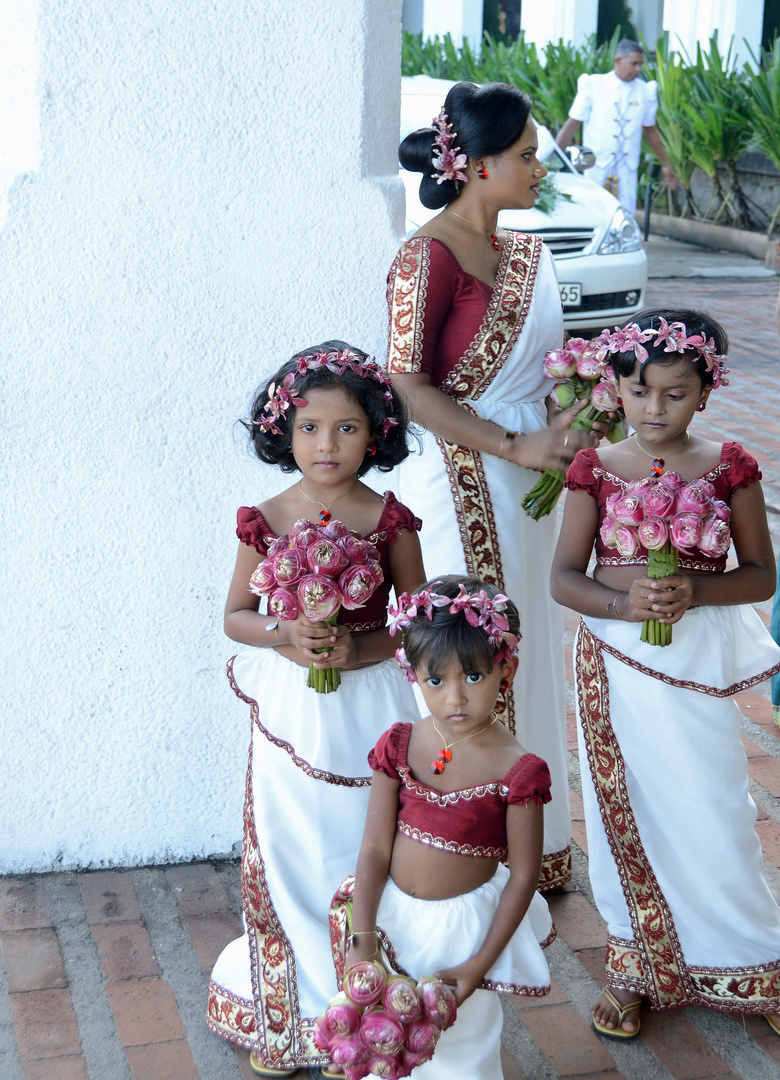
<point x="104" y="974"/>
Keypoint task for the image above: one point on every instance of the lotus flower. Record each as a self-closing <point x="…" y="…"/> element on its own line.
<point x="627" y="541"/>
<point x="563" y="394"/>
<point x="326" y="557"/>
<point x="685" y="530"/>
<point x="321" y="1036"/>
<point x="348" y="1050"/>
<point x="358" y="551"/>
<point x="357" y="584"/>
<point x="284" y="605"/>
<point x="589" y="366"/>
<point x="604" y="396"/>
<point x="342" y="1017"/>
<point x="629" y="509"/>
<point x="422" y="1036"/>
<point x="336" y="530"/>
<point x="438" y="1001"/>
<point x="660" y="500"/>
<point x="693" y="498"/>
<point x="290" y="566"/>
<point x="715" y="537"/>
<point x="365" y="983"/>
<point x="608" y="530"/>
<point x="319" y="597"/>
<point x="304" y="533"/>
<point x="559" y="364"/>
<point x="401" y="999"/>
<point x="411" y="1060"/>
<point x="384" y="1065"/>
<point x="653" y="533"/>
<point x="264" y="578"/>
<point x="381" y="1032"/>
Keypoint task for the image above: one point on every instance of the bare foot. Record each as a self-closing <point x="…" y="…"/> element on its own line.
<point x="607" y="1012"/>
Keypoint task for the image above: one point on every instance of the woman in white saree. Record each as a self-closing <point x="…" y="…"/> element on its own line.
<point x="472" y="312"/>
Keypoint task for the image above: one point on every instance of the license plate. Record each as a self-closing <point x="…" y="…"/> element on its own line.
<point x="571" y="295"/>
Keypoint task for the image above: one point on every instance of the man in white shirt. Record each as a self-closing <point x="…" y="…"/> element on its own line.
<point x="617" y="109"/>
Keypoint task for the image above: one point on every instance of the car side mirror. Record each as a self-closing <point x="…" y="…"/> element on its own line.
<point x="581" y="157"/>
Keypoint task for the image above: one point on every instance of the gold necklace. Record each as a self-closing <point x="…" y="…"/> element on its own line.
<point x="444" y="755"/>
<point x="481" y="228"/>
<point x="658" y="462"/>
<point x="325" y="512"/>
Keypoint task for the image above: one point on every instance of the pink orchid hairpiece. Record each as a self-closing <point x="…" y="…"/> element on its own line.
<point x="675" y="338"/>
<point x="448" y="160"/>
<point x="282" y="398"/>
<point x="479" y="610"/>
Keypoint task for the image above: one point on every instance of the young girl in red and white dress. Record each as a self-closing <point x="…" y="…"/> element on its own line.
<point x="331" y="415"/>
<point x="674" y="859"/>
<point x="452" y="796"/>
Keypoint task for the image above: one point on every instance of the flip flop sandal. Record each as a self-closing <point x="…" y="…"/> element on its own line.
<point x="623" y="1012"/>
<point x="257" y="1067"/>
<point x="774" y="1023"/>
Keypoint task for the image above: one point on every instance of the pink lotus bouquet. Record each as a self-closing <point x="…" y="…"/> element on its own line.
<point x="665" y="516"/>
<point x="579" y="372"/>
<point x="383" y="1025"/>
<point x="314" y="570"/>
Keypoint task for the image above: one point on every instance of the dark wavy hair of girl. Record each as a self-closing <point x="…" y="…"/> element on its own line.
<point x="696" y="322"/>
<point x="487" y="120"/>
<point x="445" y="637"/>
<point x="276" y="449"/>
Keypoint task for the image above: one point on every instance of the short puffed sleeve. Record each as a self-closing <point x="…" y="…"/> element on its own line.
<point x="420" y="290"/>
<point x="529" y="782"/>
<point x="396" y="516"/>
<point x="579" y="476"/>
<point x="390" y="750"/>
<point x="743" y="467"/>
<point x="582" y="105"/>
<point x="252" y="529"/>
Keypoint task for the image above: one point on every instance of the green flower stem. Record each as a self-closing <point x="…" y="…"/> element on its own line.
<point x="660" y="564"/>
<point x="324" y="680"/>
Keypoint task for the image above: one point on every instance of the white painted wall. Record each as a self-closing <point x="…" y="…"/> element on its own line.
<point x="692" y="21"/>
<point x="647" y="17"/>
<point x="19" y="129"/>
<point x="216" y="189"/>
<point x="432" y="18"/>
<point x="567" y="20"/>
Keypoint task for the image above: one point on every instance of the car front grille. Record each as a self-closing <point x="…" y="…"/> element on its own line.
<point x="566" y="241"/>
<point x="605" y="301"/>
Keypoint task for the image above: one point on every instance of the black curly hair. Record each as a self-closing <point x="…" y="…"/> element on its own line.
<point x="696" y="322"/>
<point x="487" y="120"/>
<point x="276" y="449"/>
<point x="436" y="642"/>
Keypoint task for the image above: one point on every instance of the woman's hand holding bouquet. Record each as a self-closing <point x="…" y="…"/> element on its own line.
<point x="313" y="571"/>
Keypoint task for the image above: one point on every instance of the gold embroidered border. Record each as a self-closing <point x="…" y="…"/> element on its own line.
<point x="660" y="955"/>
<point x="556" y="870"/>
<point x="407" y="287"/>
<point x="503" y="321"/>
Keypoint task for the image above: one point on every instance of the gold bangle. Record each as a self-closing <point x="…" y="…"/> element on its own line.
<point x="361" y="933"/>
<point x="275" y="627"/>
<point x="612" y="606"/>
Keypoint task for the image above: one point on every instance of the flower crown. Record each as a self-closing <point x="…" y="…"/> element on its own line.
<point x="479" y="609"/>
<point x="631" y="339"/>
<point x="448" y="159"/>
<point x="283" y="397"/>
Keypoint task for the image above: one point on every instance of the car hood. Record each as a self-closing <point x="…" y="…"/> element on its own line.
<point x="591" y="207"/>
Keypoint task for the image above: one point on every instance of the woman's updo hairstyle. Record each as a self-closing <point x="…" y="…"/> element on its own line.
<point x="623" y="364"/>
<point x="486" y="120"/>
<point x="275" y="448"/>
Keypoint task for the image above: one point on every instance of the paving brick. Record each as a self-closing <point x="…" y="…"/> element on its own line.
<point x="209" y="934"/>
<point x="679" y="1046"/>
<point x="756" y="706"/>
<point x="510" y="1068"/>
<point x="198" y="889"/>
<point x="144" y="1011"/>
<point x="568" y="1041"/>
<point x="109" y="897"/>
<point x="575" y="805"/>
<point x="766" y="770"/>
<point x="45" y="1024"/>
<point x="578" y="922"/>
<point x="593" y="961"/>
<point x="769" y="835"/>
<point x="23" y="904"/>
<point x="32" y="960"/>
<point x="59" y="1068"/>
<point x="162" y="1061"/>
<point x="247" y="1073"/>
<point x="751" y="749"/>
<point x="125" y="951"/>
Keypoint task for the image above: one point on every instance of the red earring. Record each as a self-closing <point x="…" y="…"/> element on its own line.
<point x="620" y="401"/>
<point x="503" y="686"/>
<point x="371" y="450"/>
<point x="702" y="406"/>
<point x="482" y="174"/>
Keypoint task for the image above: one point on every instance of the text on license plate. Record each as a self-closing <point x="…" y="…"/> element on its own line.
<point x="571" y="294"/>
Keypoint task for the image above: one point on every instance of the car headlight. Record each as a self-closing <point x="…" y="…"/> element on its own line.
<point x="623" y="234"/>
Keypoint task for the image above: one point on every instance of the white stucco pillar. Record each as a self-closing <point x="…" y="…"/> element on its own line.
<point x="693" y="21"/>
<point x="567" y="20"/>
<point x="647" y="17"/>
<point x="19" y="128"/>
<point x="217" y="188"/>
<point x="460" y="18"/>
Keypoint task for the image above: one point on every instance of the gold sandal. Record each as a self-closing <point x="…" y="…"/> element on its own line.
<point x="623" y="1014"/>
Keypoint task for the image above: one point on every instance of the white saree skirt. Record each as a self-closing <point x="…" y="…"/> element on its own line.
<point x="478" y="497"/>
<point x="421" y="937"/>
<point x="674" y="859"/>
<point x="307" y="793"/>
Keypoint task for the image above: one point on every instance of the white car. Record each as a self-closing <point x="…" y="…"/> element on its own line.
<point x="596" y="243"/>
